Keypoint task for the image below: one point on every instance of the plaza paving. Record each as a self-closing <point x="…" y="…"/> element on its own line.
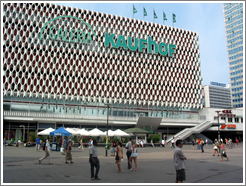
<point x="155" y="165"/>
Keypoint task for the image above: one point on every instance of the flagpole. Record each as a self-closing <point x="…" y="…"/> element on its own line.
<point x="154" y="16"/>
<point x="172" y="16"/>
<point x="133" y="11"/>
<point x="143" y="14"/>
<point x="163" y="17"/>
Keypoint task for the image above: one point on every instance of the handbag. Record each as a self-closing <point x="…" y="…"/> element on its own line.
<point x="117" y="157"/>
<point x="224" y="154"/>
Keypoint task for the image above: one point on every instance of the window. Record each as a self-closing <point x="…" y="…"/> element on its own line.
<point x="223" y="118"/>
<point x="230" y="120"/>
<point x="236" y="120"/>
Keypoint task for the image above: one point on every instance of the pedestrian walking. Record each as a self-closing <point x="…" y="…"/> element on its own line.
<point x="193" y="143"/>
<point x="198" y="144"/>
<point x="206" y="142"/>
<point x="215" y="148"/>
<point x="37" y="143"/>
<point x="64" y="146"/>
<point x="47" y="152"/>
<point x="79" y="140"/>
<point x="4" y="142"/>
<point x="163" y="142"/>
<point x="68" y="152"/>
<point x="133" y="155"/>
<point x="172" y="143"/>
<point x="152" y="143"/>
<point x="113" y="146"/>
<point x="237" y="141"/>
<point x="142" y="143"/>
<point x="128" y="152"/>
<point x="90" y="143"/>
<point x="82" y="145"/>
<point x="202" y="144"/>
<point x="94" y="161"/>
<point x="223" y="152"/>
<point x="179" y="162"/>
<point x="218" y="145"/>
<point x="119" y="155"/>
<point x="59" y="143"/>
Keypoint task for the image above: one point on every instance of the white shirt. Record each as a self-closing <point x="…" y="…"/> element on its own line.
<point x="48" y="145"/>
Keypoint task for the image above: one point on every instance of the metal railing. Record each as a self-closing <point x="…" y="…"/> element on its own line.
<point x="189" y="131"/>
<point x="96" y="117"/>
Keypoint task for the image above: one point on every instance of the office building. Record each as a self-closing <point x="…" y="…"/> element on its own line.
<point x="233" y="18"/>
<point x="217" y="95"/>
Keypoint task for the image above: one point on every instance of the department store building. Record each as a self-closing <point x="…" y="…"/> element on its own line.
<point x="70" y="67"/>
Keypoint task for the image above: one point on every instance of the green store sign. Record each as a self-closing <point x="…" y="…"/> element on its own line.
<point x="79" y="36"/>
<point x="72" y="35"/>
<point x="140" y="44"/>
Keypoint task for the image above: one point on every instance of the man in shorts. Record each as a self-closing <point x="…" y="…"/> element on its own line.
<point x="179" y="162"/>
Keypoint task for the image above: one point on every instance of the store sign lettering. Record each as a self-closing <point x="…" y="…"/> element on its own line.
<point x="70" y="35"/>
<point x="139" y="44"/>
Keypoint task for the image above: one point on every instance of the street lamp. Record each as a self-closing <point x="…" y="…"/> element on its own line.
<point x="23" y="132"/>
<point x="106" y="152"/>
<point x="218" y="124"/>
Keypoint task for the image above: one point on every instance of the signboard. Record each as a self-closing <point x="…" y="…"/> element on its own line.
<point x="67" y="33"/>
<point x="229" y="126"/>
<point x="227" y="113"/>
<point x="140" y="44"/>
<point x="218" y="84"/>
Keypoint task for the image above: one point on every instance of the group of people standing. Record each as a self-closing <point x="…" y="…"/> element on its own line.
<point x="117" y="151"/>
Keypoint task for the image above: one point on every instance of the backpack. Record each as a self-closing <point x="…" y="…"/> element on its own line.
<point x="44" y="146"/>
<point x="114" y="144"/>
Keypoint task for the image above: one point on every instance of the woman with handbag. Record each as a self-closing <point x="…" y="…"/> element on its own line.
<point x="119" y="155"/>
<point x="223" y="152"/>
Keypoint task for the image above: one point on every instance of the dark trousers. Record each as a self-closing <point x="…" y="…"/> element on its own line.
<point x="97" y="165"/>
<point x="172" y="145"/>
<point x="202" y="147"/>
<point x="128" y="153"/>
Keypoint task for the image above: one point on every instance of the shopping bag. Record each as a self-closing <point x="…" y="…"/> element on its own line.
<point x="62" y="150"/>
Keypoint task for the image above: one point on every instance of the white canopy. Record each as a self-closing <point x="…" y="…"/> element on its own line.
<point x="46" y="131"/>
<point x="74" y="131"/>
<point x="119" y="132"/>
<point x="95" y="132"/>
<point x="110" y="133"/>
<point x="83" y="132"/>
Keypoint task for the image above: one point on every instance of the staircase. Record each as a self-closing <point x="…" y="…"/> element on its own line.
<point x="189" y="131"/>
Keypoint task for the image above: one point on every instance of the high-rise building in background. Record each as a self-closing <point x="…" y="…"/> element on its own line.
<point x="216" y="95"/>
<point x="233" y="18"/>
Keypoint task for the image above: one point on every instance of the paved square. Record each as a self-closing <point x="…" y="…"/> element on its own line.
<point x="155" y="165"/>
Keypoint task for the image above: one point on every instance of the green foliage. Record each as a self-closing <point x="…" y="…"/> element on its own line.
<point x="32" y="136"/>
<point x="155" y="138"/>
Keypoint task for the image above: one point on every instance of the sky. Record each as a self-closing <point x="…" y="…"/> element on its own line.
<point x="205" y="18"/>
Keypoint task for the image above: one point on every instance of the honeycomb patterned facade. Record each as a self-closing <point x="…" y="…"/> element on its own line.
<point x="56" y="69"/>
